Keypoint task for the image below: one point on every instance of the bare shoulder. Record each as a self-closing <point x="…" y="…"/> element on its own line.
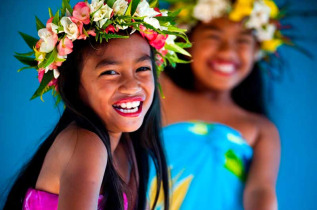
<point x="72" y="139"/>
<point x="265" y="127"/>
<point x="81" y="178"/>
<point x="83" y="146"/>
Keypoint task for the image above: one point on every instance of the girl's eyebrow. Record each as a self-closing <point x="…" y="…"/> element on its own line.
<point x="144" y="58"/>
<point x="113" y="61"/>
<point x="107" y="62"/>
<point x="210" y="27"/>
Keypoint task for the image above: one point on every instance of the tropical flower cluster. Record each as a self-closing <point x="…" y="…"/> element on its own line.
<point x="103" y="20"/>
<point x="262" y="16"/>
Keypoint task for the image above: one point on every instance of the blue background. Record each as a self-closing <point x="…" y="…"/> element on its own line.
<point x="292" y="104"/>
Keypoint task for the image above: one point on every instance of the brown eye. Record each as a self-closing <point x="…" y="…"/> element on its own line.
<point x="144" y="68"/>
<point x="109" y="72"/>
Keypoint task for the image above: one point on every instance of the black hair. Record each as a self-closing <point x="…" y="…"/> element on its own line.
<point x="248" y="94"/>
<point x="146" y="140"/>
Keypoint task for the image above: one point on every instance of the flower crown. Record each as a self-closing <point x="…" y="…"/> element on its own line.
<point x="262" y="16"/>
<point x="101" y="20"/>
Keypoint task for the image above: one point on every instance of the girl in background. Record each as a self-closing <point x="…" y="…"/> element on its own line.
<point x="97" y="155"/>
<point x="223" y="153"/>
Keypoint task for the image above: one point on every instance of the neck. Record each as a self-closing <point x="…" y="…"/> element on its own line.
<point x="217" y="96"/>
<point x="114" y="140"/>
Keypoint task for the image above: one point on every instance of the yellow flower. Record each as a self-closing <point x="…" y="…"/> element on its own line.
<point x="271" y="45"/>
<point x="274" y="9"/>
<point x="241" y="9"/>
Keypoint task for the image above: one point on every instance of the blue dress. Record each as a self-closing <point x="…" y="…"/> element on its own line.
<point x="208" y="165"/>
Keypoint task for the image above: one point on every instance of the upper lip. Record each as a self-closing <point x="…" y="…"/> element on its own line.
<point x="130" y="99"/>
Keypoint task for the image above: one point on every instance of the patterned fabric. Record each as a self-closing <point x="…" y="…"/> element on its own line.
<point x="41" y="200"/>
<point x="208" y="166"/>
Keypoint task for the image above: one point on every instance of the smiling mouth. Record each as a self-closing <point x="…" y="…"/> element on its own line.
<point x="129" y="109"/>
<point x="225" y="69"/>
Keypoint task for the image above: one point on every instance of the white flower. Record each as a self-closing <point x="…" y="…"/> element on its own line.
<point x="144" y="10"/>
<point x="56" y="73"/>
<point x="170" y="40"/>
<point x="266" y="32"/>
<point x="206" y="10"/>
<point x="102" y="12"/>
<point x="95" y="5"/>
<point x="49" y="40"/>
<point x="70" y="28"/>
<point x="260" y="15"/>
<point x="153" y="22"/>
<point x="119" y="7"/>
<point x="164" y="13"/>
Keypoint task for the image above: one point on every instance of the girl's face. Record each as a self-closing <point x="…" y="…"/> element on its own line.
<point x="223" y="54"/>
<point x="117" y="83"/>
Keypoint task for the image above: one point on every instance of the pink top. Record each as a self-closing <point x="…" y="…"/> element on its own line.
<point x="41" y="200"/>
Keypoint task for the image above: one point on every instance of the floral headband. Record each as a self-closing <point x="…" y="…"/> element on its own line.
<point x="102" y="20"/>
<point x="262" y="16"/>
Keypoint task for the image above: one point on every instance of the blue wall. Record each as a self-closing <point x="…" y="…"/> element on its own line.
<point x="24" y="123"/>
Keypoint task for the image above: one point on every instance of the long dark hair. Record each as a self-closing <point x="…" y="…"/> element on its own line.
<point x="248" y="94"/>
<point x="146" y="140"/>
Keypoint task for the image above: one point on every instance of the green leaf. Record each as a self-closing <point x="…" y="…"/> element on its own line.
<point x="132" y="7"/>
<point x="177" y="48"/>
<point x="184" y="45"/>
<point x="39" y="24"/>
<point x="154" y="3"/>
<point x="30" y="41"/>
<point x="110" y="3"/>
<point x="49" y="59"/>
<point x="174" y="13"/>
<point x="26" y="60"/>
<point x="25" y="54"/>
<point x="66" y="6"/>
<point x="27" y="67"/>
<point x="56" y="18"/>
<point x="50" y="12"/>
<point x="43" y="86"/>
<point x="112" y="36"/>
<point x="135" y="4"/>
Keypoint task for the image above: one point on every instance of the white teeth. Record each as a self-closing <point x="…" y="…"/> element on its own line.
<point x="225" y="68"/>
<point x="129" y="110"/>
<point x="136" y="103"/>
<point x="128" y="105"/>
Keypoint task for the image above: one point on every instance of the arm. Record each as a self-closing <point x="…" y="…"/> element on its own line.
<point x="82" y="177"/>
<point x="260" y="192"/>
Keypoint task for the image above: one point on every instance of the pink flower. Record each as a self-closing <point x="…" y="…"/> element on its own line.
<point x="159" y="41"/>
<point x="90" y="32"/>
<point x="163" y="51"/>
<point x="158" y="10"/>
<point x="148" y="33"/>
<point x="159" y="60"/>
<point x="53" y="83"/>
<point x="41" y="73"/>
<point x="65" y="47"/>
<point x="51" y="26"/>
<point x="111" y="28"/>
<point x="79" y="24"/>
<point x="82" y="12"/>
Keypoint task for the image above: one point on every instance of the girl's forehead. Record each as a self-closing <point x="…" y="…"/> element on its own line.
<point x="121" y="49"/>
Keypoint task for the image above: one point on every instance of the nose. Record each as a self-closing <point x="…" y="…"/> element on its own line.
<point x="227" y="50"/>
<point x="130" y="85"/>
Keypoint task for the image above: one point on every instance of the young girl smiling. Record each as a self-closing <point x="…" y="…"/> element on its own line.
<point x="97" y="156"/>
